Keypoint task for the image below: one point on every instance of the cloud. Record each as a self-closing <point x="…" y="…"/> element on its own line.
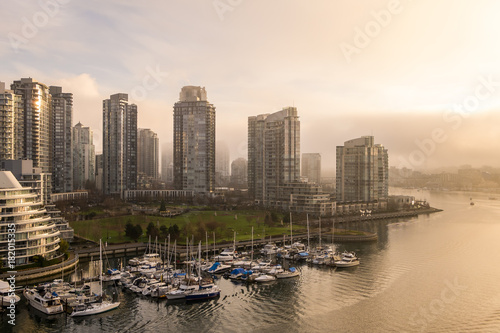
<point x="266" y="55"/>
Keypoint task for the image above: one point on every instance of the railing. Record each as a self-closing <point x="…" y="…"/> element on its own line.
<point x="46" y="269"/>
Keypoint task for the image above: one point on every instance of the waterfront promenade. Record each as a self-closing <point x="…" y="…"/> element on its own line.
<point x="130" y="249"/>
<point x="29" y="275"/>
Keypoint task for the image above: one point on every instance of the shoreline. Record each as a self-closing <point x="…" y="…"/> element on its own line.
<point x="40" y="273"/>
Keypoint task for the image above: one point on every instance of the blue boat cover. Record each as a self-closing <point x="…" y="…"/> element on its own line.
<point x="214" y="267"/>
<point x="238" y="271"/>
<point x="179" y="274"/>
<point x="303" y="254"/>
<point x="292" y="269"/>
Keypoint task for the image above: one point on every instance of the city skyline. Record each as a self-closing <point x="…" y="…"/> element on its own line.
<point x="400" y="82"/>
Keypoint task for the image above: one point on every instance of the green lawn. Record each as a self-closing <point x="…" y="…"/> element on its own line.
<point x="195" y="223"/>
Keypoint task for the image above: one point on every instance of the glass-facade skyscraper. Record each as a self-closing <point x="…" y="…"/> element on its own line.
<point x="62" y="161"/>
<point x="362" y="171"/>
<point x="119" y="144"/>
<point x="273" y="154"/>
<point x="36" y="121"/>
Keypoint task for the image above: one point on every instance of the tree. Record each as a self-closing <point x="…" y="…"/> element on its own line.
<point x="174" y="231"/>
<point x="136" y="232"/>
<point x="163" y="206"/>
<point x="163" y="231"/>
<point x="63" y="246"/>
<point x="212" y="225"/>
<point x="275" y="217"/>
<point x="152" y="230"/>
<point x="40" y="260"/>
<point x="129" y="229"/>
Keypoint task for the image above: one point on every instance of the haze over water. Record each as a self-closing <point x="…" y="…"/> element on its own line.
<point x="434" y="273"/>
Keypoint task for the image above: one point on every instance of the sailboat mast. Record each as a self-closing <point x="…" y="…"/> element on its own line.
<point x="206" y="239"/>
<point x="165" y="252"/>
<point x="175" y="254"/>
<point x="199" y="260"/>
<point x="307" y="218"/>
<point x="187" y="256"/>
<point x="100" y="267"/>
<point x="149" y="245"/>
<point x="333" y="229"/>
<point x="252" y="250"/>
<point x="320" y="231"/>
<point x="291" y="232"/>
<point x="168" y="251"/>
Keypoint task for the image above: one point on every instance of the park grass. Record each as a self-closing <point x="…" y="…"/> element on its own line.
<point x="195" y="223"/>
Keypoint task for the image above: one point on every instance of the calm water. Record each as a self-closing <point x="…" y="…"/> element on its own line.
<point x="434" y="273"/>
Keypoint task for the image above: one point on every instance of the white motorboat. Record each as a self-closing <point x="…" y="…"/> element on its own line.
<point x="238" y="273"/>
<point x="265" y="278"/>
<point x="218" y="268"/>
<point x="139" y="284"/>
<point x="146" y="258"/>
<point x="182" y="291"/>
<point x="269" y="249"/>
<point x="301" y="255"/>
<point x="151" y="286"/>
<point x="43" y="301"/>
<point x="242" y="262"/>
<point x="160" y="290"/>
<point x="112" y="274"/>
<point x="262" y="265"/>
<point x="7" y="296"/>
<point x="149" y="269"/>
<point x="348" y="255"/>
<point x="225" y="256"/>
<point x="290" y="273"/>
<point x="274" y="270"/>
<point x="202" y="293"/>
<point x="347" y="262"/>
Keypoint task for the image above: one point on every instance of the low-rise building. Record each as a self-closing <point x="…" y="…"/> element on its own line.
<point x="67" y="233"/>
<point x="24" y="219"/>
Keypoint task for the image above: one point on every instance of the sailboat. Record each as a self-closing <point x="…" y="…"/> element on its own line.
<point x="95" y="308"/>
<point x="304" y="254"/>
<point x="205" y="291"/>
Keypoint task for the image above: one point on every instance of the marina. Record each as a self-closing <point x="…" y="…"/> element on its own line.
<point x="416" y="258"/>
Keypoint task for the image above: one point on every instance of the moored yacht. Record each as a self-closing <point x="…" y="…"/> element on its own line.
<point x="289" y="273"/>
<point x="7" y="296"/>
<point x="225" y="256"/>
<point x="265" y="278"/>
<point x="218" y="268"/>
<point x="43" y="301"/>
<point x="204" y="292"/>
<point x="184" y="289"/>
<point x="347" y="262"/>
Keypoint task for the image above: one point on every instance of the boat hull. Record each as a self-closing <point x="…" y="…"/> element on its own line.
<point x="343" y="265"/>
<point x="198" y="297"/>
<point x="287" y="275"/>
<point x="95" y="309"/>
<point x="49" y="310"/>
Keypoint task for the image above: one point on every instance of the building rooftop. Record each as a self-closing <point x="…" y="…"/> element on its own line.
<point x="7" y="180"/>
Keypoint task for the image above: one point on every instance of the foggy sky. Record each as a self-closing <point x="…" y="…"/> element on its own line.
<point x="421" y="68"/>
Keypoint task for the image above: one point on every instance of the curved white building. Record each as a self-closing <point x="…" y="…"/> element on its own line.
<point x="35" y="233"/>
